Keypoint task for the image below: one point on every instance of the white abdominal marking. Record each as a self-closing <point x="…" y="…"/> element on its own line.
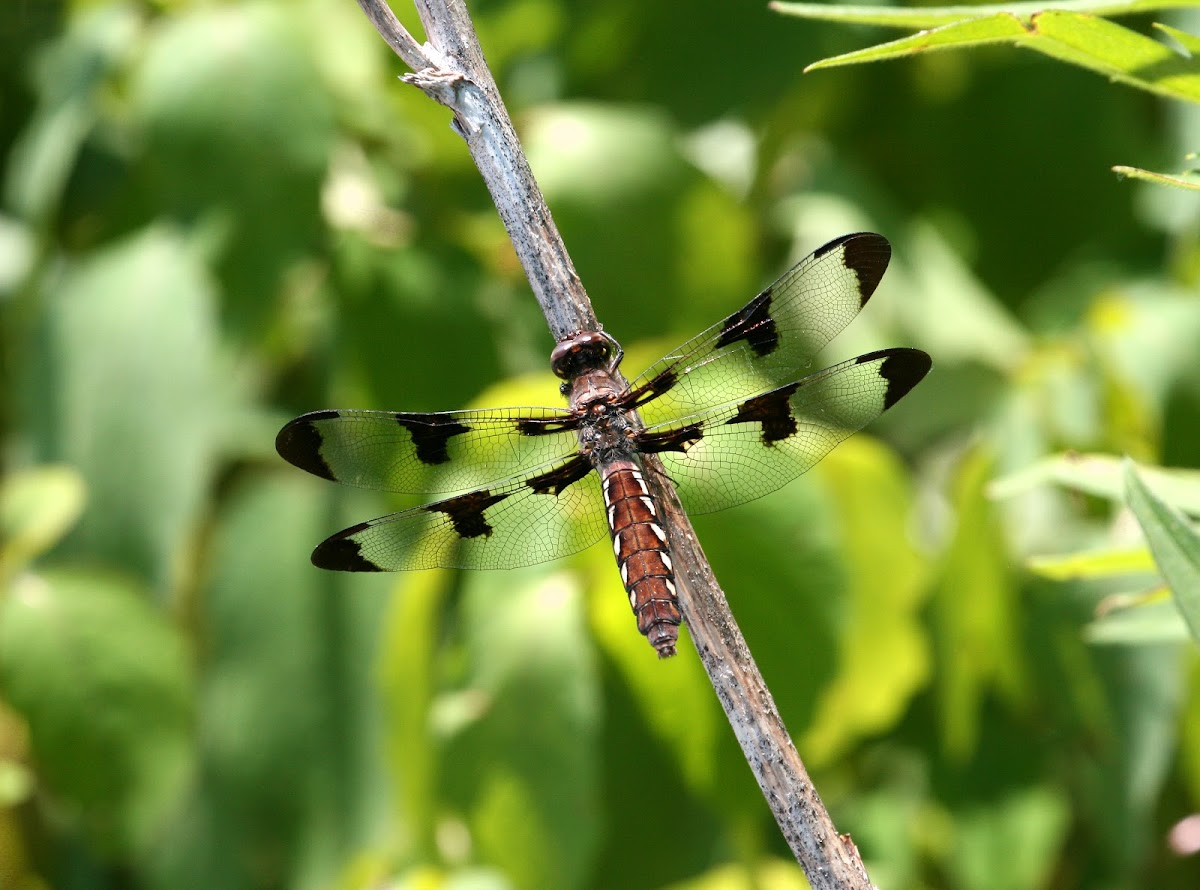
<point x="640" y="481"/>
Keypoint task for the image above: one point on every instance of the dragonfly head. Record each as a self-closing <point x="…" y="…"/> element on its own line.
<point x="584" y="352"/>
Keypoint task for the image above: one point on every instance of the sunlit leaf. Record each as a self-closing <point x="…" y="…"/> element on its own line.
<point x="884" y="656"/>
<point x="37" y="507"/>
<point x="1071" y="36"/>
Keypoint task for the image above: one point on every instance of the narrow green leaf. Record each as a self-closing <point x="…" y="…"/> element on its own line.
<point x="1092" y="564"/>
<point x="975" y="613"/>
<point x="1189" y="42"/>
<point x="936" y="16"/>
<point x="1152" y="623"/>
<point x="998" y="28"/>
<point x="1189" y="180"/>
<point x="1175" y="545"/>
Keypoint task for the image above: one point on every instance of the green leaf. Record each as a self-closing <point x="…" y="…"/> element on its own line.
<point x="975" y="613"/>
<point x="1101" y="475"/>
<point x="106" y="688"/>
<point x="126" y="390"/>
<point x="1175" y="545"/>
<point x="998" y="28"/>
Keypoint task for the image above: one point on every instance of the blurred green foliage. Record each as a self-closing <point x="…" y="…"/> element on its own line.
<point x="216" y="215"/>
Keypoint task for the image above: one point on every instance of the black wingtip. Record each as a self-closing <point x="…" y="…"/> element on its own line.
<point x="341" y="553"/>
<point x="299" y="443"/>
<point x="903" y="368"/>
<point x="867" y="255"/>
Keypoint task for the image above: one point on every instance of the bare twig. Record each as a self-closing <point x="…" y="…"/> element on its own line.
<point x="451" y="70"/>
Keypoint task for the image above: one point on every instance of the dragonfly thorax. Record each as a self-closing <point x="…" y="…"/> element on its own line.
<point x="606" y="432"/>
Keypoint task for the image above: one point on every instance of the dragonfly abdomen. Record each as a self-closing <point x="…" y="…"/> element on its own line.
<point x="640" y="545"/>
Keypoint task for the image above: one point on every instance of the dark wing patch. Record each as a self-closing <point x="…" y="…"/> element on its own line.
<point x="751" y="447"/>
<point x="902" y="369"/>
<point x="517" y="522"/>
<point x="771" y="341"/>
<point x="679" y="439"/>
<point x="752" y="323"/>
<point x="431" y="433"/>
<point x="414" y="453"/>
<point x="466" y="512"/>
<point x="342" y="553"/>
<point x="867" y="258"/>
<point x="773" y="410"/>
<point x="556" y="481"/>
<point x="300" y="443"/>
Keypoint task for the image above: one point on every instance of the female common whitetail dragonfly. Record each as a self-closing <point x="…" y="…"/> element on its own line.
<point x="730" y="413"/>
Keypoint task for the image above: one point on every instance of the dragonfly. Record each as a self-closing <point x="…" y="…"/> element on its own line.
<point x="733" y="414"/>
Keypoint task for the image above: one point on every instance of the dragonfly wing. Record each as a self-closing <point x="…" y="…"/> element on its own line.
<point x="529" y="519"/>
<point x="415" y="453"/>
<point x="773" y="338"/>
<point x="746" y="449"/>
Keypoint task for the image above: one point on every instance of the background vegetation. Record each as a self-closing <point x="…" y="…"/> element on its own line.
<point x="217" y="215"/>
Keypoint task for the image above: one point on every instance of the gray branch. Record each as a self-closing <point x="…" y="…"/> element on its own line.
<point x="450" y="68"/>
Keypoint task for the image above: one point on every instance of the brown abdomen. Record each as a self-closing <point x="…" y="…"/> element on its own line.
<point x="640" y="545"/>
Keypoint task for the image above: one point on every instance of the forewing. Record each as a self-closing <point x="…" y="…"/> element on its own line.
<point x="415" y="453"/>
<point x="554" y="512"/>
<point x="744" y="450"/>
<point x="771" y="340"/>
